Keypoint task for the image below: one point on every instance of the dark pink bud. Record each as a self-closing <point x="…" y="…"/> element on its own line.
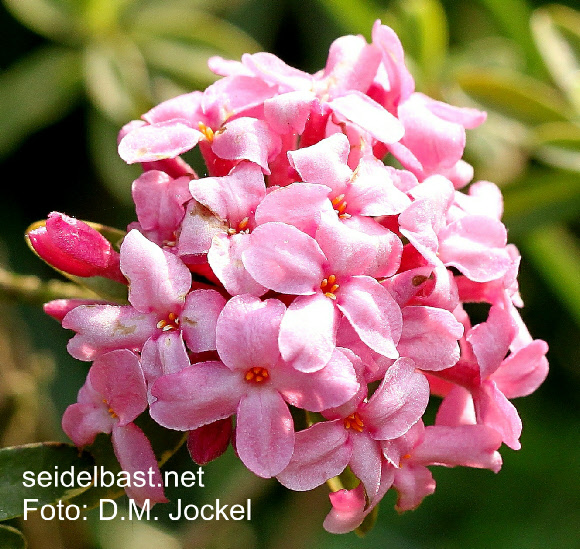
<point x="210" y="441"/>
<point x="76" y="248"/>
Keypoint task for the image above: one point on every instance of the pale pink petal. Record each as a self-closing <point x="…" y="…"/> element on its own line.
<point x="320" y="452"/>
<point x="164" y="355"/>
<point x="158" y="141"/>
<point x="308" y="332"/>
<point x="347" y="511"/>
<point x="493" y="409"/>
<point x="398" y="403"/>
<point x="185" y="107"/>
<point x="456" y="408"/>
<point x="82" y="422"/>
<point x="135" y="455"/>
<point x="247" y="139"/>
<point x="329" y="387"/>
<point x="198" y="319"/>
<point x="232" y="197"/>
<point x="298" y="204"/>
<point x="288" y="112"/>
<point x="247" y="332"/>
<point x="365" y="461"/>
<point x="430" y="337"/>
<point x="264" y="432"/>
<point x="197" y="395"/>
<point x="158" y="280"/>
<point x="523" y="372"/>
<point x="467" y="445"/>
<point x="225" y="259"/>
<point x="198" y="228"/>
<point x="274" y="71"/>
<point x="103" y="328"/>
<point x="369" y="115"/>
<point x="413" y="483"/>
<point x="284" y="259"/>
<point x="476" y="245"/>
<point x="324" y="163"/>
<point x="373" y="313"/>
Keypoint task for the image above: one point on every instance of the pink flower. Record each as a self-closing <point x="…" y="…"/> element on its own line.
<point x="253" y="382"/>
<point x="112" y="397"/>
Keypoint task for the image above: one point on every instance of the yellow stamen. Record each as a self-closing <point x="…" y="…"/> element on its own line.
<point x="329" y="287"/>
<point x="355" y="422"/>
<point x="256" y="374"/>
<point x="206" y="130"/>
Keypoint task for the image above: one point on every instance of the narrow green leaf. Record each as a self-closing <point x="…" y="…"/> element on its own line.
<point x="541" y="198"/>
<point x="555" y="253"/>
<point x="20" y="467"/>
<point x="37" y="91"/>
<point x="355" y="16"/>
<point x="514" y="95"/>
<point x="46" y="17"/>
<point x="558" y="53"/>
<point x="10" y="538"/>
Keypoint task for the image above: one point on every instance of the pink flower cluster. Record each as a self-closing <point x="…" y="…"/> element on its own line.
<point x="304" y="278"/>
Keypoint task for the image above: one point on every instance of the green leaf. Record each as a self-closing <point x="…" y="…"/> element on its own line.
<point x="541" y="198"/>
<point x="356" y="16"/>
<point x="165" y="443"/>
<point x="426" y="37"/>
<point x="10" y="538"/>
<point x="558" y="53"/>
<point x="514" y="95"/>
<point x="555" y="253"/>
<point x="46" y="17"/>
<point x="34" y="459"/>
<point x="37" y="91"/>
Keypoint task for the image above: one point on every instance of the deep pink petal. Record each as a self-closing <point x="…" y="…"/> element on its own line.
<point x="413" y="483"/>
<point x="264" y="432"/>
<point x="210" y="441"/>
<point x="347" y="511"/>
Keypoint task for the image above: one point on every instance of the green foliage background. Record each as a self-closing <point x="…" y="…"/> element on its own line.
<point x="74" y="71"/>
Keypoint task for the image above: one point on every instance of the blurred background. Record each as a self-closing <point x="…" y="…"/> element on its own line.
<point x="74" y="71"/>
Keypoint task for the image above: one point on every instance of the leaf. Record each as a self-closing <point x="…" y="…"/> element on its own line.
<point x="541" y="198"/>
<point x="10" y="538"/>
<point x="37" y="91"/>
<point x="555" y="253"/>
<point x="48" y="457"/>
<point x="514" y="95"/>
<point x="103" y="288"/>
<point x="356" y="16"/>
<point x="558" y="53"/>
<point x="165" y="443"/>
<point x="46" y="17"/>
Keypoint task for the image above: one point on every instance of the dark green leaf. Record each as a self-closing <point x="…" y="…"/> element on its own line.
<point x="37" y="91"/>
<point x="31" y="459"/>
<point x="10" y="538"/>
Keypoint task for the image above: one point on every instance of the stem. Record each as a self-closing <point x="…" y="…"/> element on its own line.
<point x="32" y="290"/>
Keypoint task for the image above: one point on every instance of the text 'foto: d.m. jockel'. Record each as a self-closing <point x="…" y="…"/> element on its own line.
<point x="304" y="278"/>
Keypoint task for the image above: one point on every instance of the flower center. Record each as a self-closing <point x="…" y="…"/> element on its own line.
<point x="110" y="410"/>
<point x="354" y="422"/>
<point x="170" y="323"/>
<point x="257" y="375"/>
<point x="329" y="287"/>
<point x="339" y="204"/>
<point x="206" y="130"/>
<point x="242" y="227"/>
